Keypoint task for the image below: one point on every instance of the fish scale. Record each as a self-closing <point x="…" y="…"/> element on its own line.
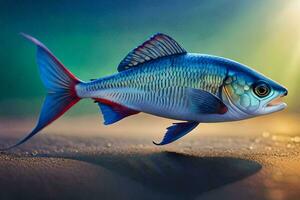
<point x="165" y="92"/>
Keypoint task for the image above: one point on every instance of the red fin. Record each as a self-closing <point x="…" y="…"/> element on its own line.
<point x="158" y="46"/>
<point x="113" y="112"/>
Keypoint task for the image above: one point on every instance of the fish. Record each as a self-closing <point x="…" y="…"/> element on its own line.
<point x="161" y="78"/>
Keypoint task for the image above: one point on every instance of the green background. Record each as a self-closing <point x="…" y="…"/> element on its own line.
<point x="91" y="37"/>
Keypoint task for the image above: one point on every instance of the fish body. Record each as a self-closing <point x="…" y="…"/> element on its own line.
<point x="161" y="78"/>
<point x="161" y="87"/>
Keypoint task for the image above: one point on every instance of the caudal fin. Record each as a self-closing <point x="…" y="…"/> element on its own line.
<point x="60" y="84"/>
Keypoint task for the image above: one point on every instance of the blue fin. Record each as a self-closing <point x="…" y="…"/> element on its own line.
<point x="176" y="131"/>
<point x="205" y="103"/>
<point x="158" y="46"/>
<point x="113" y="112"/>
<point x="60" y="84"/>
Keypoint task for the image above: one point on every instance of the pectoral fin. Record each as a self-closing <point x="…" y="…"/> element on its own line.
<point x="176" y="131"/>
<point x="205" y="103"/>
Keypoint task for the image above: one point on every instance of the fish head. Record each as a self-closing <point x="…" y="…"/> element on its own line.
<point x="251" y="94"/>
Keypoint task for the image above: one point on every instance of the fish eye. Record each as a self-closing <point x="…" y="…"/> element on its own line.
<point x="261" y="89"/>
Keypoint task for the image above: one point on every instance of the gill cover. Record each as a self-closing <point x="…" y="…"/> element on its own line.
<point x="250" y="94"/>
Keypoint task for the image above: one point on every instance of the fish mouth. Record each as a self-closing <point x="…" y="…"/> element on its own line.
<point x="276" y="104"/>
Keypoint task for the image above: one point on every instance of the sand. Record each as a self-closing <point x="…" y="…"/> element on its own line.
<point x="78" y="158"/>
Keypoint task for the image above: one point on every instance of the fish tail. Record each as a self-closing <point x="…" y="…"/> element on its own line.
<point x="60" y="84"/>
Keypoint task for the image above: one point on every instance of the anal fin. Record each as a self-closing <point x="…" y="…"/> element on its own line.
<point x="113" y="112"/>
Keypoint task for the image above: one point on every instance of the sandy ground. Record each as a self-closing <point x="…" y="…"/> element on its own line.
<point x="78" y="158"/>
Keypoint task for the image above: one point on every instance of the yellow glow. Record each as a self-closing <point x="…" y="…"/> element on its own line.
<point x="288" y="26"/>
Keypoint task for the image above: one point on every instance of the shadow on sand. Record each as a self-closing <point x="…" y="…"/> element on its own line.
<point x="174" y="173"/>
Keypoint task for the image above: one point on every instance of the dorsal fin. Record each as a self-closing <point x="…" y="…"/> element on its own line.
<point x="159" y="45"/>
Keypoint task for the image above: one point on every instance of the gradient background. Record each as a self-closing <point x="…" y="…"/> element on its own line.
<point x="91" y="37"/>
<point x="77" y="157"/>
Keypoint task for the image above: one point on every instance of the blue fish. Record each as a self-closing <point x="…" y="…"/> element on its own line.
<point x="161" y="78"/>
